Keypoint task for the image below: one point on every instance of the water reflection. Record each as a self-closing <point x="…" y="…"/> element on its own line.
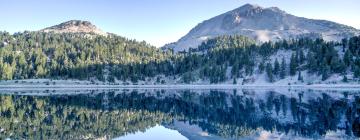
<point x="223" y="114"/>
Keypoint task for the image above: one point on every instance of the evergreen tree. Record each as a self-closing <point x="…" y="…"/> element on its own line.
<point x="301" y="57"/>
<point x="311" y="62"/>
<point x="348" y="58"/>
<point x="357" y="72"/>
<point x="345" y="79"/>
<point x="6" y="72"/>
<point x="283" y="68"/>
<point x="276" y="67"/>
<point x="300" y="78"/>
<point x="344" y="42"/>
<point x="235" y="70"/>
<point x="325" y="73"/>
<point x="261" y="67"/>
<point x="293" y="65"/>
<point x="269" y="72"/>
<point x="234" y="81"/>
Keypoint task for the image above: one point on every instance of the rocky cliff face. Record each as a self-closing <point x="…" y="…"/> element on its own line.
<point x="262" y="24"/>
<point x="75" y="26"/>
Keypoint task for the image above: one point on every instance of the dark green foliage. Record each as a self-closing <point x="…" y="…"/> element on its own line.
<point x="325" y="73"/>
<point x="344" y="43"/>
<point x="293" y="65"/>
<point x="348" y="58"/>
<point x="300" y="78"/>
<point x="111" y="79"/>
<point x="302" y="57"/>
<point x="345" y="79"/>
<point x="269" y="72"/>
<point x="235" y="70"/>
<point x="48" y="55"/>
<point x="188" y="78"/>
<point x="357" y="72"/>
<point x="354" y="45"/>
<point x="261" y="67"/>
<point x="283" y="68"/>
<point x="337" y="65"/>
<point x="311" y="62"/>
<point x="276" y="67"/>
<point x="79" y="56"/>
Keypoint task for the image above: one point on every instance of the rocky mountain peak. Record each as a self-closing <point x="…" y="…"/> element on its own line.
<point x="249" y="6"/>
<point x="252" y="10"/>
<point x="248" y="10"/>
<point x="262" y="24"/>
<point x="76" y="23"/>
<point x="75" y="26"/>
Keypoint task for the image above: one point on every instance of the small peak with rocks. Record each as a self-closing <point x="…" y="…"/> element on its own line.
<point x="75" y="26"/>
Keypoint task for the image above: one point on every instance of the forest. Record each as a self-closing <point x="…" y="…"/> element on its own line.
<point x="35" y="55"/>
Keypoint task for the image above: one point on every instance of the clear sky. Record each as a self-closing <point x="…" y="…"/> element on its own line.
<point x="156" y="21"/>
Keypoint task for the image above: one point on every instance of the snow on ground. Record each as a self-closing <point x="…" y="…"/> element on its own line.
<point x="260" y="80"/>
<point x="265" y="135"/>
<point x="195" y="132"/>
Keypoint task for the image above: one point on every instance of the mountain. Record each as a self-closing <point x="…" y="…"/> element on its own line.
<point x="262" y="24"/>
<point x="75" y="26"/>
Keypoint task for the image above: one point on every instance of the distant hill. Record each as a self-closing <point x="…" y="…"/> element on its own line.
<point x="262" y="24"/>
<point x="75" y="26"/>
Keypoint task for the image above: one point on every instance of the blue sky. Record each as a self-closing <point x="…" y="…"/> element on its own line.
<point x="156" y="21"/>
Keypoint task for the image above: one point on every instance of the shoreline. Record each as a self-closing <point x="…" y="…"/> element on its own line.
<point x="182" y="86"/>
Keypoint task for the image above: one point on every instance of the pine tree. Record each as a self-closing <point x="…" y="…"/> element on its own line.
<point x="357" y="72"/>
<point x="345" y="79"/>
<point x="261" y="67"/>
<point x="269" y="72"/>
<point x="283" y="68"/>
<point x="311" y="62"/>
<point x="297" y="56"/>
<point x="6" y="72"/>
<point x="348" y="57"/>
<point x="40" y="71"/>
<point x="325" y="73"/>
<point x="301" y="57"/>
<point x="300" y="78"/>
<point x="276" y="67"/>
<point x="235" y="70"/>
<point x="293" y="65"/>
<point x="344" y="42"/>
<point x="234" y="81"/>
<point x="1" y="69"/>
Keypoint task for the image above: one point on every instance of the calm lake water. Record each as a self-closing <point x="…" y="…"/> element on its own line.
<point x="179" y="114"/>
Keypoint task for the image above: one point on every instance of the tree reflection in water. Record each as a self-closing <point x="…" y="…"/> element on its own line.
<point x="225" y="113"/>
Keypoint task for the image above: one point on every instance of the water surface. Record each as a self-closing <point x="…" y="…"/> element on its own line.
<point x="180" y="114"/>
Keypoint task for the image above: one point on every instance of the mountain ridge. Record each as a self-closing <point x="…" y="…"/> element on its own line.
<point x="262" y="24"/>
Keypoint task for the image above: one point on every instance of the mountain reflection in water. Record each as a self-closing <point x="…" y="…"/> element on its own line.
<point x="213" y="114"/>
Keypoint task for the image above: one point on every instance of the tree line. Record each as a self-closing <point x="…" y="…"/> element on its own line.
<point x="82" y="56"/>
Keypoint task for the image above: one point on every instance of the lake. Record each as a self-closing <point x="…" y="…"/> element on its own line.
<point x="180" y="114"/>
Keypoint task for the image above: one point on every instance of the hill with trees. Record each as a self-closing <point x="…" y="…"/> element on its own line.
<point x="229" y="59"/>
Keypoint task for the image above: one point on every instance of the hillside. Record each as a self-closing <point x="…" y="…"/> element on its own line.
<point x="231" y="60"/>
<point x="223" y="60"/>
<point x="262" y="24"/>
<point x="33" y="55"/>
